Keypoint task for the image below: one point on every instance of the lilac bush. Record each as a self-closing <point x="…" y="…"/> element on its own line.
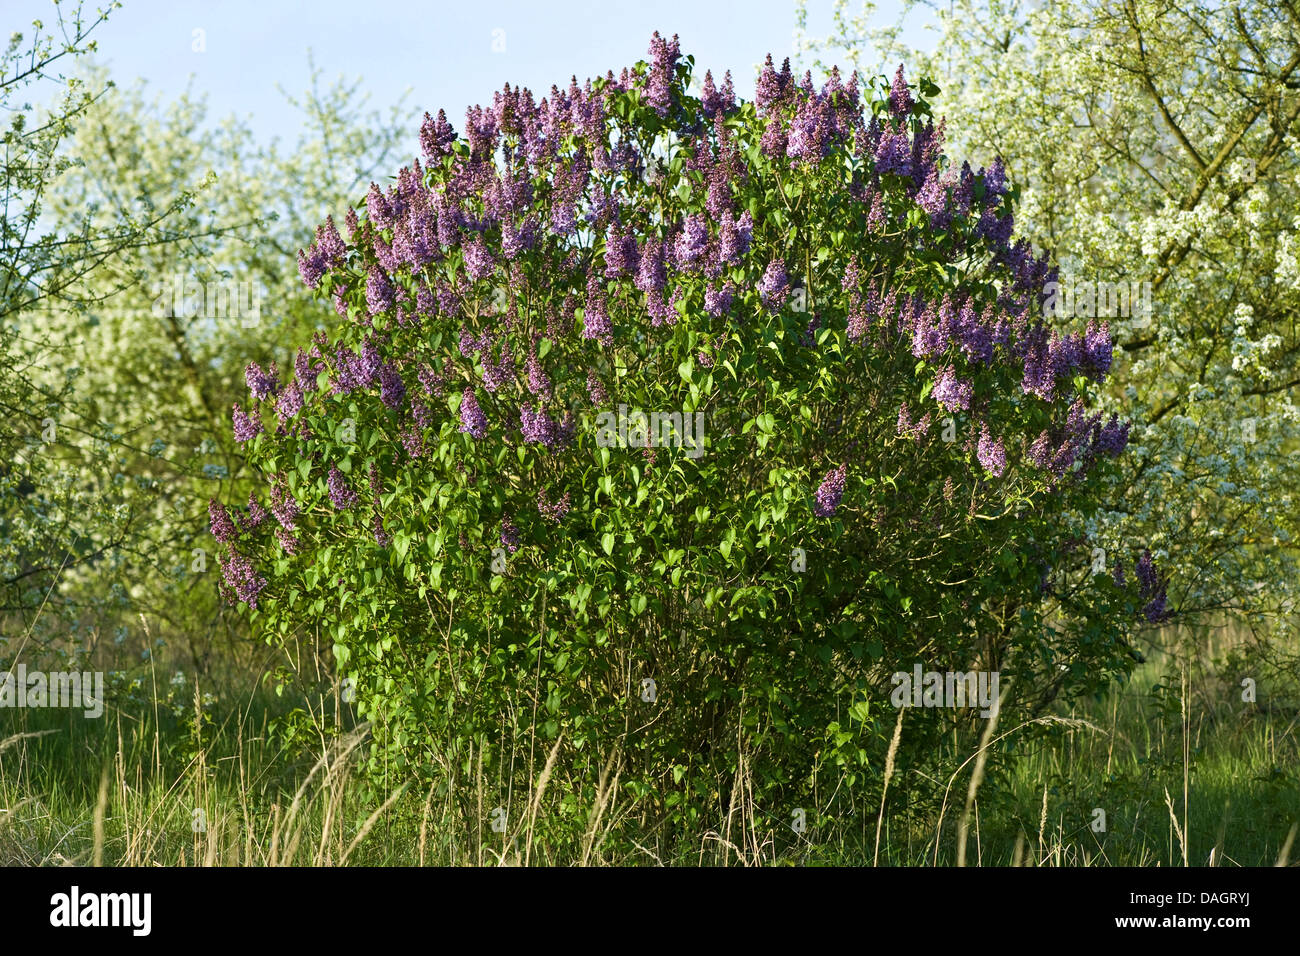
<point x="846" y="312"/>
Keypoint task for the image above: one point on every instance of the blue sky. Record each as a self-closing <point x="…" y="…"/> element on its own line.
<point x="449" y="55"/>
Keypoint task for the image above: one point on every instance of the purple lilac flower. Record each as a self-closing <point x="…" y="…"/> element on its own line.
<point x="620" y="252"/>
<point x="1147" y="577"/>
<point x="223" y="529"/>
<point x="812" y="131"/>
<point x="470" y="344"/>
<point x="1040" y="452"/>
<point x="664" y="54"/>
<point x="876" y="217"/>
<point x="1156" y="611"/>
<point x="830" y="492"/>
<point x="975" y="337"/>
<point x="412" y="437"/>
<point x="283" y="505"/>
<point x="904" y="427"/>
<point x="933" y="198"/>
<point x="1097" y="350"/>
<point x="1114" y="437"/>
<point x="1150" y="586"/>
<point x="717" y="301"/>
<point x="262" y="384"/>
<point x="436" y="137"/>
<point x="382" y="537"/>
<point x="773" y="87"/>
<point x="366" y="369"/>
<point x="311" y="267"/>
<point x="472" y="420"/>
<point x="305" y="371"/>
<point x="288" y="540"/>
<point x="693" y="241"/>
<point x="478" y="260"/>
<point x="894" y="155"/>
<point x="992" y="454"/>
<point x="900" y="98"/>
<point x="432" y="383"/>
<point x="345" y="378"/>
<point x="247" y="427"/>
<point x="952" y="392"/>
<point x="774" y="141"/>
<point x="995" y="181"/>
<point x="539" y="383"/>
<point x="536" y="426"/>
<point x="392" y="390"/>
<point x="379" y="291"/>
<point x="774" y="287"/>
<point x="996" y="229"/>
<point x="716" y="101"/>
<point x="509" y="534"/>
<point x="340" y="494"/>
<point x="241" y="579"/>
<point x="289" y="403"/>
<point x="256" y="514"/>
<point x="553" y="511"/>
<point x="501" y="373"/>
<point x="595" y="320"/>
<point x="912" y="429"/>
<point x="595" y="390"/>
<point x="651" y="274"/>
<point x="927" y="331"/>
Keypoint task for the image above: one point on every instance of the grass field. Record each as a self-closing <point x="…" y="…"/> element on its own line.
<point x="1184" y="772"/>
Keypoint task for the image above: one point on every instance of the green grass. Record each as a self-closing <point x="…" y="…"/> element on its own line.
<point x="124" y="790"/>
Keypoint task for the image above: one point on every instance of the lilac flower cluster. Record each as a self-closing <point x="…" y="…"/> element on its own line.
<point x="509" y="534"/>
<point x="223" y="529"/>
<point x="498" y="374"/>
<point x="327" y="252"/>
<point x="283" y="505"/>
<point x="595" y="315"/>
<point x="289" y="403"/>
<point x="255" y="514"/>
<point x="539" y="383"/>
<point x="907" y="428"/>
<point x="538" y="428"/>
<point x="246" y="427"/>
<point x="952" y="391"/>
<point x="830" y="492"/>
<point x="664" y="55"/>
<point x="472" y="420"/>
<point x="553" y="511"/>
<point x="713" y="100"/>
<point x="241" y="580"/>
<point x="392" y="390"/>
<point x="774" y="287"/>
<point x="340" y="494"/>
<point x="992" y="453"/>
<point x="1151" y="589"/>
<point x="262" y="384"/>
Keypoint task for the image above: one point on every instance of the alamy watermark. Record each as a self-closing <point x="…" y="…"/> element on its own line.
<point x="129" y="910"/>
<point x="946" y="689"/>
<point x="69" y="689"/>
<point x="638" y="429"/>
<point x="187" y="297"/>
<point x="1073" y="297"/>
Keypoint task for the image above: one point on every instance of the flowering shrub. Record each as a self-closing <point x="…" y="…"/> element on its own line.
<point x="892" y="444"/>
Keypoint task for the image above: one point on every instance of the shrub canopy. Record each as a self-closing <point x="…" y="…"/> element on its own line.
<point x="861" y="447"/>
